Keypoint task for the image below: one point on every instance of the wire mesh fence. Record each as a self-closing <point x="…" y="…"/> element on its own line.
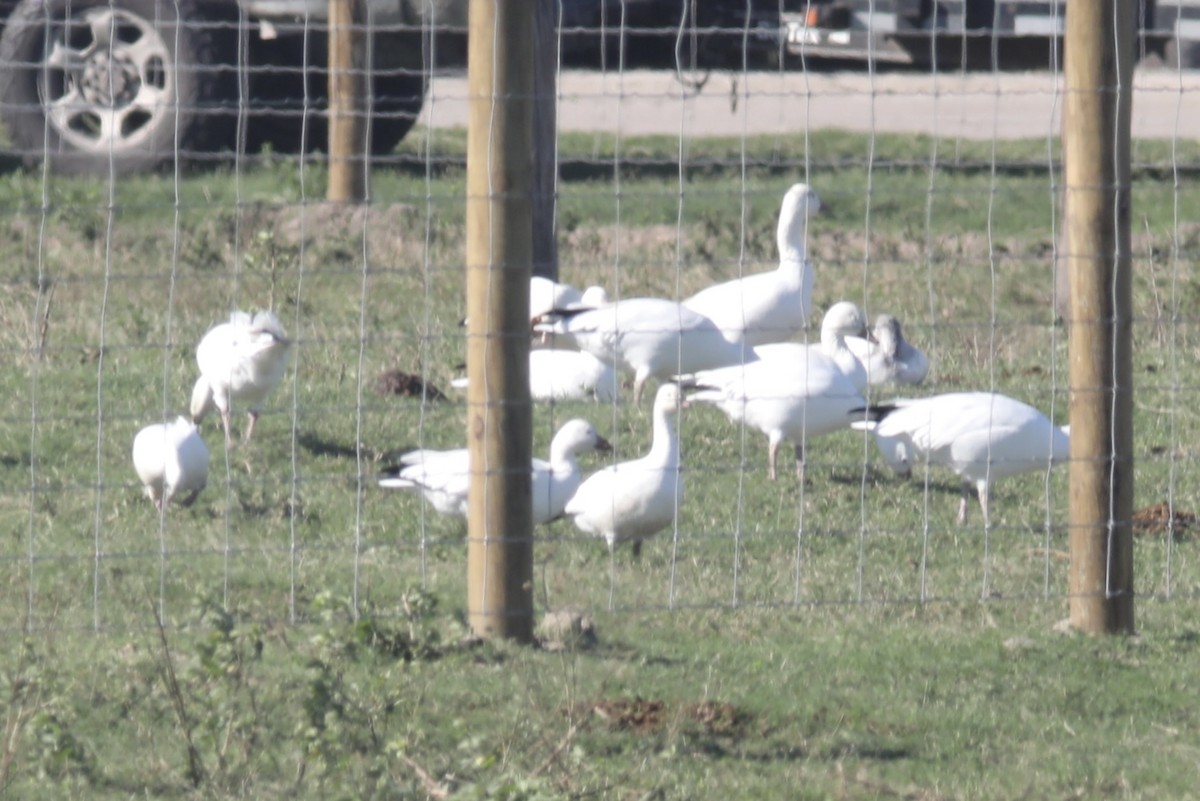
<point x="942" y="187"/>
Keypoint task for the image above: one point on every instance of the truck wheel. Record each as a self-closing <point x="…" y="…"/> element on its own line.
<point x="289" y="107"/>
<point x="112" y="86"/>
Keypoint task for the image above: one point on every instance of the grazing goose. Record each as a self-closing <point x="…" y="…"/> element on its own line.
<point x="981" y="436"/>
<point x="890" y="358"/>
<point x="771" y="306"/>
<point x="630" y="501"/>
<point x="443" y="477"/>
<point x="172" y="461"/>
<point x="843" y="321"/>
<point x="791" y="395"/>
<point x="646" y="336"/>
<point x="561" y="375"/>
<point x="241" y="361"/>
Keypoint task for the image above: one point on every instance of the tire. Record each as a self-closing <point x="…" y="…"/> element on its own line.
<point x="63" y="101"/>
<point x="289" y="97"/>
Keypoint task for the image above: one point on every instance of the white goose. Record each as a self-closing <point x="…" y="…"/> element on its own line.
<point x="172" y="462"/>
<point x="981" y="436"/>
<point x="562" y="375"/>
<point x="791" y="394"/>
<point x="770" y="306"/>
<point x="241" y="361"/>
<point x="890" y="358"/>
<point x="843" y="321"/>
<point x="546" y="295"/>
<point x="443" y="477"/>
<point x="649" y="337"/>
<point x="629" y="501"/>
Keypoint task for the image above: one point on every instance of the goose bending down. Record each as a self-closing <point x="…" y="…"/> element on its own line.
<point x="560" y="375"/>
<point x="770" y="306"/>
<point x="890" y="358"/>
<point x="649" y="337"/>
<point x="546" y="295"/>
<point x="629" y="501"/>
<point x="981" y="436"/>
<point x="443" y="477"/>
<point x="241" y="362"/>
<point x="791" y="394"/>
<point x="843" y="321"/>
<point x="172" y="462"/>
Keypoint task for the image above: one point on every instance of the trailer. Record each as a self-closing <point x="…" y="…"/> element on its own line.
<point x="973" y="34"/>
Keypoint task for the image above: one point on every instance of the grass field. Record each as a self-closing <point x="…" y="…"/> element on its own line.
<point x="825" y="640"/>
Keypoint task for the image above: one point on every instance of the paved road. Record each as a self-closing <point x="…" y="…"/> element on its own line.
<point x="967" y="106"/>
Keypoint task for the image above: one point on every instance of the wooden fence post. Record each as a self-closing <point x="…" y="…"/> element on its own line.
<point x="347" y="146"/>
<point x="1096" y="130"/>
<point x="499" y="253"/>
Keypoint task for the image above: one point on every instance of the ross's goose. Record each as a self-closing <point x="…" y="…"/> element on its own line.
<point x="559" y="375"/>
<point x="172" y="462"/>
<point x="649" y="337"/>
<point x="890" y="358"/>
<point x="241" y="362"/>
<point x="843" y="321"/>
<point x="546" y="295"/>
<point x="770" y="306"/>
<point x="443" y="477"/>
<point x="981" y="436"/>
<point x="791" y="394"/>
<point x="629" y="501"/>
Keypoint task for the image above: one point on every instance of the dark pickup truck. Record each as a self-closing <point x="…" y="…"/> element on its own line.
<point x="123" y="86"/>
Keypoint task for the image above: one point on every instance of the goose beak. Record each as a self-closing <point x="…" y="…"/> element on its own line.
<point x="603" y="445"/>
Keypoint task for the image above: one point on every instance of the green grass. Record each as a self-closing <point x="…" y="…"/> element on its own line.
<point x="815" y="641"/>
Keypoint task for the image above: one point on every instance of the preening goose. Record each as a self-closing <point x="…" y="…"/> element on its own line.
<point x="443" y="477"/>
<point x="981" y="436"/>
<point x="241" y="363"/>
<point x="649" y="337"/>
<point x="890" y="358"/>
<point x="771" y="306"/>
<point x="629" y="501"/>
<point x="172" y="462"/>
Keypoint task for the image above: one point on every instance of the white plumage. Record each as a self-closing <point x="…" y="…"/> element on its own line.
<point x="629" y="501"/>
<point x="649" y="337"/>
<point x="981" y="436"/>
<point x="791" y="394"/>
<point x="443" y="477"/>
<point x="241" y="362"/>
<point x="172" y="462"/>
<point x="890" y="358"/>
<point x="770" y="306"/>
<point x="560" y="375"/>
<point x="843" y="321"/>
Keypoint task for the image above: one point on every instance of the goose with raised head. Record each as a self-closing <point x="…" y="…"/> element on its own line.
<point x="630" y="501"/>
<point x="770" y="306"/>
